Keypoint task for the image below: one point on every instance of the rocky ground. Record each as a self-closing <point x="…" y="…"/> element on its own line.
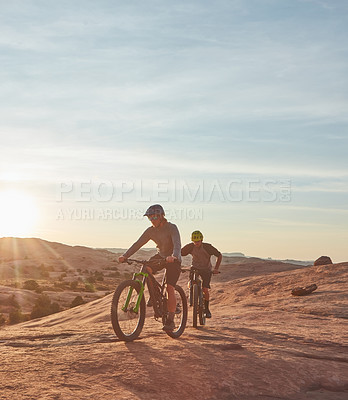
<point x="262" y="343"/>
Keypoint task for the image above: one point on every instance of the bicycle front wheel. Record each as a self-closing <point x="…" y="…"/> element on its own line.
<point x="127" y="322"/>
<point x="195" y="305"/>
<point x="201" y="311"/>
<point x="180" y="318"/>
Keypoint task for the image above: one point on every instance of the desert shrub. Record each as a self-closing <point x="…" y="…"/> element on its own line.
<point x="89" y="287"/>
<point x="62" y="276"/>
<point x="115" y="274"/>
<point x="62" y="285"/>
<point x="78" y="300"/>
<point x="12" y="301"/>
<point x="2" y="320"/>
<point x="43" y="271"/>
<point x="39" y="290"/>
<point x="43" y="306"/>
<point x="31" y="284"/>
<point x="99" y="276"/>
<point x="16" y="317"/>
<point x="73" y="285"/>
<point x="91" y="279"/>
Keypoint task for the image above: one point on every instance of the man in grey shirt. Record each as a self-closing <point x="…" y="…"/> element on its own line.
<point x="167" y="238"/>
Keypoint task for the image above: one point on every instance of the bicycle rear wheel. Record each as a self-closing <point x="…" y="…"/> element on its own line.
<point x="195" y="305"/>
<point x="126" y="322"/>
<point x="180" y="318"/>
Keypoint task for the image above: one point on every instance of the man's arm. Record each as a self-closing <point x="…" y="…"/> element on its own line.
<point x="187" y="249"/>
<point x="217" y="265"/>
<point x="144" y="238"/>
<point x="176" y="242"/>
<point x="213" y="251"/>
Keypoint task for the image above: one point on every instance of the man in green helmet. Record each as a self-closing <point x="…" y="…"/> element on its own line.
<point x="201" y="254"/>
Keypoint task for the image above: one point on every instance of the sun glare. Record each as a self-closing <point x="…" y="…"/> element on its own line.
<point x="18" y="214"/>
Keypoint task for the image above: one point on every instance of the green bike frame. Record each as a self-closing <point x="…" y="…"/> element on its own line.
<point x="141" y="292"/>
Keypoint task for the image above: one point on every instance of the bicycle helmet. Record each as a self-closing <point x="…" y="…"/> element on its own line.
<point x="196" y="236"/>
<point x="156" y="209"/>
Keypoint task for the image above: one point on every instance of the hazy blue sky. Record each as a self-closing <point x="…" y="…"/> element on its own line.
<point x="245" y="101"/>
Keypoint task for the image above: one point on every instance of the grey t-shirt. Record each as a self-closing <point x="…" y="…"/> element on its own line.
<point x="166" y="237"/>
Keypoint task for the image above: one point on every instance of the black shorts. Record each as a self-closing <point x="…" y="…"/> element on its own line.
<point x="173" y="270"/>
<point x="206" y="277"/>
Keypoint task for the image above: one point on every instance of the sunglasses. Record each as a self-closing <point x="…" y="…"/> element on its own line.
<point x="153" y="217"/>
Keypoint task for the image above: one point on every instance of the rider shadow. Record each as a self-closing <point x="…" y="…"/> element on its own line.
<point x="168" y="361"/>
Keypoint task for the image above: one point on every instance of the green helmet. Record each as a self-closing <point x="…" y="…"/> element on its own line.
<point x="196" y="236"/>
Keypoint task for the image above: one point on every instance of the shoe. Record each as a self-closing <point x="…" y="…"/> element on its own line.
<point x="169" y="326"/>
<point x="149" y="302"/>
<point x="178" y="309"/>
<point x="207" y="314"/>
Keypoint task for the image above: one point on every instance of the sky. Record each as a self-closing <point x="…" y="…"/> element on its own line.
<point x="231" y="114"/>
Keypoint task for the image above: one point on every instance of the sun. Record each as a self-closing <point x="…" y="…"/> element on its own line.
<point x="18" y="214"/>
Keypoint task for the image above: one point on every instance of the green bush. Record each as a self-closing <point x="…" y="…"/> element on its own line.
<point x="12" y="301"/>
<point x="62" y="276"/>
<point x="2" y="320"/>
<point x="43" y="306"/>
<point x="73" y="285"/>
<point x="99" y="276"/>
<point x="91" y="279"/>
<point x="89" y="287"/>
<point x="31" y="285"/>
<point x="78" y="300"/>
<point x="62" y="285"/>
<point x="16" y="316"/>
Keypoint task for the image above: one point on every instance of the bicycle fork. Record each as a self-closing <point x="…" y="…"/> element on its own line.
<point x="141" y="282"/>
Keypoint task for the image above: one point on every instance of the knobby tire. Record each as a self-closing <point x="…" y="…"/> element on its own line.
<point x="127" y="324"/>
<point x="195" y="305"/>
<point x="201" y="312"/>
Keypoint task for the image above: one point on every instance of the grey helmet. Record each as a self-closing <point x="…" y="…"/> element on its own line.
<point x="156" y="209"/>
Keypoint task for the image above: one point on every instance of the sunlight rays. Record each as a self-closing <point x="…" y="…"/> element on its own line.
<point x="55" y="254"/>
<point x="18" y="213"/>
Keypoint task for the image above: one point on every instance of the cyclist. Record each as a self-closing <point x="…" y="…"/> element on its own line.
<point x="201" y="253"/>
<point x="167" y="238"/>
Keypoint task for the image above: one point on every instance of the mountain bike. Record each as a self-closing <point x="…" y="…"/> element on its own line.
<point x="196" y="297"/>
<point x="128" y="306"/>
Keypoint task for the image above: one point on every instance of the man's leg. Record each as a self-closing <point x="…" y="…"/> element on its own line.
<point x="206" y="302"/>
<point x="206" y="293"/>
<point x="206" y="277"/>
<point x="173" y="273"/>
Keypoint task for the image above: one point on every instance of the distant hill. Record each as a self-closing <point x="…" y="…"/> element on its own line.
<point x="236" y="254"/>
<point x="27" y="252"/>
<point x="150" y="251"/>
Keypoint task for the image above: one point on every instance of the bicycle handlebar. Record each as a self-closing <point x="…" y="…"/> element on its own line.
<point x="130" y="260"/>
<point x="143" y="262"/>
